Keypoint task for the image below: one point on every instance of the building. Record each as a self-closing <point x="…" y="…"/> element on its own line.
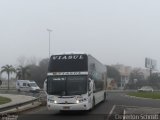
<point x="124" y="72"/>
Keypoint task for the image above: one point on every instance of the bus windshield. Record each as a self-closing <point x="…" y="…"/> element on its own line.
<point x="66" y="85"/>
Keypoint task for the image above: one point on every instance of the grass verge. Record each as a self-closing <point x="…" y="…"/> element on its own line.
<point x="153" y="95"/>
<point x="4" y="100"/>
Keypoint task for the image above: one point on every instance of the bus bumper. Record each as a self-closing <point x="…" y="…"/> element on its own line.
<point x="78" y="106"/>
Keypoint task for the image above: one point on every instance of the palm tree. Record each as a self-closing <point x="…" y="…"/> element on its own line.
<point x="8" y="69"/>
<point x="23" y="72"/>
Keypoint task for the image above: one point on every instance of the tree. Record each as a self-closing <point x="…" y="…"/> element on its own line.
<point x="154" y="80"/>
<point x="113" y="73"/>
<point x="23" y="72"/>
<point x="136" y="79"/>
<point x="39" y="72"/>
<point x="29" y="70"/>
<point x="137" y="75"/>
<point x="8" y="69"/>
<point x="43" y="68"/>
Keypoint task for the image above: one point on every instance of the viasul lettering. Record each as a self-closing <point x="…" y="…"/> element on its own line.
<point x="67" y="57"/>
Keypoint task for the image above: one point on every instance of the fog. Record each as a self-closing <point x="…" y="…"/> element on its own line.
<point x="113" y="31"/>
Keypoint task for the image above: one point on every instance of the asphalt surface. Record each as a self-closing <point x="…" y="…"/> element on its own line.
<point x="100" y="112"/>
<point x="115" y="104"/>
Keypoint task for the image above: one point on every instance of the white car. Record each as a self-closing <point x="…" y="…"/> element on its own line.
<point x="146" y="89"/>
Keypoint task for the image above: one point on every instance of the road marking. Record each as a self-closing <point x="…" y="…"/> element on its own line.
<point x="110" y="113"/>
<point x="114" y="106"/>
<point x="124" y="113"/>
<point x="126" y="106"/>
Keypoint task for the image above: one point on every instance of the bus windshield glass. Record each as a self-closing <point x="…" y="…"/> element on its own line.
<point x="66" y="85"/>
<point x="76" y="85"/>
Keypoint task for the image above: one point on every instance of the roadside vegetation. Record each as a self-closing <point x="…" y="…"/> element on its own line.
<point x="4" y="100"/>
<point x="152" y="95"/>
<point x="26" y="71"/>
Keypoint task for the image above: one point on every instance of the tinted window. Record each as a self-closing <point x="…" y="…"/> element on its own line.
<point x="56" y="85"/>
<point x="76" y="85"/>
<point x="66" y="85"/>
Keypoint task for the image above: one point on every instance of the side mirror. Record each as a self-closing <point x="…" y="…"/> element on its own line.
<point x="89" y="89"/>
<point x="89" y="85"/>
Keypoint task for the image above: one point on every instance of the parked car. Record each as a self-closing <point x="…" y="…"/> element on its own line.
<point x="145" y="89"/>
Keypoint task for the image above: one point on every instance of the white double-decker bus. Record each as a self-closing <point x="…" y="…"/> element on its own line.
<point x="75" y="82"/>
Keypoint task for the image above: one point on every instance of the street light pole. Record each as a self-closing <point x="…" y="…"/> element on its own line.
<point x="49" y="31"/>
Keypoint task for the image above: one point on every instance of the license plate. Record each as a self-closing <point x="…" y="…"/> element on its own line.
<point x="66" y="107"/>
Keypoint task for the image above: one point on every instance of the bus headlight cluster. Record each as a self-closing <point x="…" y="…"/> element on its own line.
<point x="77" y="101"/>
<point x="81" y="100"/>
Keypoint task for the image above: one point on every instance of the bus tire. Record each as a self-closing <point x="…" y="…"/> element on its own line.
<point x="93" y="102"/>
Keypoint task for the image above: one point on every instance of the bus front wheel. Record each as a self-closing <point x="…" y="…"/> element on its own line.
<point x="104" y="99"/>
<point x="93" y="102"/>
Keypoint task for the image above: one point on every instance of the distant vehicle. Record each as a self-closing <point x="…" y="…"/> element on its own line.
<point x="75" y="82"/>
<point x="27" y="86"/>
<point x="145" y="89"/>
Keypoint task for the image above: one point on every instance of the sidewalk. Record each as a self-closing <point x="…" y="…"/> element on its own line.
<point x="16" y="99"/>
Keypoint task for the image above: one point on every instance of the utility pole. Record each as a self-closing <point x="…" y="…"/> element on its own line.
<point x="49" y="31"/>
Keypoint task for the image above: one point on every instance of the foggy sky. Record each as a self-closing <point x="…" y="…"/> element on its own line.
<point x="113" y="31"/>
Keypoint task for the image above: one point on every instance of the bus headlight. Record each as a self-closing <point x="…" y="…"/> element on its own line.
<point x="77" y="101"/>
<point x="55" y="102"/>
<point x="81" y="100"/>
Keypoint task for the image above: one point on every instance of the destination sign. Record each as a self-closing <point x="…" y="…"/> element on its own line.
<point x="68" y="63"/>
<point x="68" y="73"/>
<point x="67" y="57"/>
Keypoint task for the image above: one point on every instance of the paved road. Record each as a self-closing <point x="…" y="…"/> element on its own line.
<point x="122" y="99"/>
<point x="100" y="112"/>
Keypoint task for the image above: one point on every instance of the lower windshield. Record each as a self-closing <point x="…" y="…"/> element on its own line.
<point x="56" y="85"/>
<point x="66" y="85"/>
